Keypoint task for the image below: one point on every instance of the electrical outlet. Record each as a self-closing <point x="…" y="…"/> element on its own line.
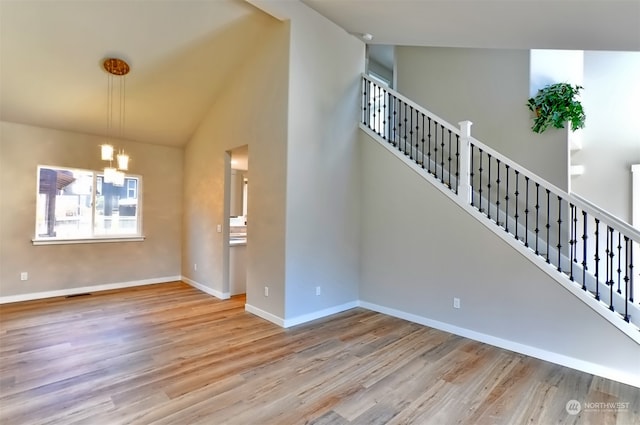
<point x="318" y="290"/>
<point x="195" y="266"/>
<point x="24" y="276"/>
<point x="266" y="291"/>
<point x="456" y="302"/>
<point x="219" y="228"/>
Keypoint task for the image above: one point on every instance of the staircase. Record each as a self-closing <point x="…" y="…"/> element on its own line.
<point x="581" y="246"/>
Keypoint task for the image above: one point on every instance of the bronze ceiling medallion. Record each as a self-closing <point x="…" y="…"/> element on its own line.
<point x="116" y="66"/>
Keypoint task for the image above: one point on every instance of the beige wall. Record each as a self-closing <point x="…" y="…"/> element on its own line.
<point x="251" y="111"/>
<point x="64" y="267"/>
<point x="489" y="87"/>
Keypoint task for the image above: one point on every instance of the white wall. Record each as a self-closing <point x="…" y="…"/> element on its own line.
<point x="419" y="250"/>
<point x="611" y="137"/>
<point x="322" y="238"/>
<point x="489" y="87"/>
<point x="555" y="66"/>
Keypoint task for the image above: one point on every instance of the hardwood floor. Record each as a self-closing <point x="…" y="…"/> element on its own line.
<point x="169" y="354"/>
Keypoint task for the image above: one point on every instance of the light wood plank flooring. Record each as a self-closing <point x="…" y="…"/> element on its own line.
<point x="169" y="354"/>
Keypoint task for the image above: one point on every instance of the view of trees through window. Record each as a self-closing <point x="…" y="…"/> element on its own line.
<point x="78" y="204"/>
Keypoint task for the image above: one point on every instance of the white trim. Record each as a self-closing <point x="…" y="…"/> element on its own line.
<point x="527" y="350"/>
<point x="320" y="314"/>
<point x="137" y="237"/>
<point x="265" y="315"/>
<point x="85" y="289"/>
<point x="635" y="195"/>
<point x="576" y="170"/>
<point x="206" y="289"/>
<point x="92" y="240"/>
<point x="287" y="323"/>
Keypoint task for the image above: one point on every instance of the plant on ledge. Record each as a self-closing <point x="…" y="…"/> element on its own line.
<point x="556" y="104"/>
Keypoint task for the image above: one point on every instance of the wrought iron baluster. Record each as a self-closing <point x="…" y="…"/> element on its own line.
<point x="376" y="117"/>
<point x="572" y="240"/>
<point x="585" y="237"/>
<point x="410" y="135"/>
<point x="610" y="256"/>
<point x="526" y="212"/>
<point x="404" y="145"/>
<point x="422" y="142"/>
<point x="365" y="102"/>
<point x="435" y="149"/>
<point x="506" y="201"/>
<point x="489" y="185"/>
<point x="395" y="121"/>
<point x="449" y="160"/>
<point x="385" y="122"/>
<point x="559" y="246"/>
<point x="480" y="181"/>
<point x="548" y="225"/>
<point x="498" y="192"/>
<point x="517" y="193"/>
<point x="597" y="259"/>
<point x="537" y="230"/>
<point x="471" y="174"/>
<point x="417" y="144"/>
<point x="619" y="260"/>
<point x="442" y="154"/>
<point x="627" y="274"/>
<point x="458" y="163"/>
<point x="429" y="150"/>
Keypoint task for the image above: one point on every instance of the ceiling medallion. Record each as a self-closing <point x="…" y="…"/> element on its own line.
<point x="116" y="66"/>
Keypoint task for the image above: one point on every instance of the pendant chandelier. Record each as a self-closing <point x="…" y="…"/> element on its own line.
<point x="117" y="69"/>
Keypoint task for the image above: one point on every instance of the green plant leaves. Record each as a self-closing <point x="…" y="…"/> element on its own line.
<point x="556" y="104"/>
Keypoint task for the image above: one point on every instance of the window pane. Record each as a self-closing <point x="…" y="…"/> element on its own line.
<point x="63" y="206"/>
<point x="116" y="208"/>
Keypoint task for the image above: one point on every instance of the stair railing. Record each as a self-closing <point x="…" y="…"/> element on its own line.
<point x="590" y="247"/>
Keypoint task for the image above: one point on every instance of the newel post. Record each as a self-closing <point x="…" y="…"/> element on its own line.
<point x="464" y="184"/>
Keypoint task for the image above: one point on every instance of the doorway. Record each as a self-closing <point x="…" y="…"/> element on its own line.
<point x="237" y="187"/>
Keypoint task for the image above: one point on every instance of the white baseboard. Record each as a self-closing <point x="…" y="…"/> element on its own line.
<point x="287" y="323"/>
<point x="86" y="289"/>
<point x="265" y="315"/>
<point x="559" y="359"/>
<point x="206" y="289"/>
<point x="319" y="314"/>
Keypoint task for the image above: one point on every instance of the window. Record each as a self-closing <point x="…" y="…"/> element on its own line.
<point x="76" y="205"/>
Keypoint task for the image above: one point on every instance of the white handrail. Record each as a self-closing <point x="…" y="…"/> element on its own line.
<point x="445" y="124"/>
<point x="593" y="210"/>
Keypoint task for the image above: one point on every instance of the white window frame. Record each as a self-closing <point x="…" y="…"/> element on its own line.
<point x="134" y="189"/>
<point x="137" y="237"/>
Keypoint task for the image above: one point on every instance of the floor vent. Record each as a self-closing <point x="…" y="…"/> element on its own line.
<point x="78" y="295"/>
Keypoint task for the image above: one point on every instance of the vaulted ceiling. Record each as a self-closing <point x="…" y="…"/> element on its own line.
<point x="182" y="52"/>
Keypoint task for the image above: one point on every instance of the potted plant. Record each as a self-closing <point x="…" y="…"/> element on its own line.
<point x="556" y="104"/>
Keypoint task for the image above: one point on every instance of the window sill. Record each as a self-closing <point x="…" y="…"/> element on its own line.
<point x="88" y="240"/>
